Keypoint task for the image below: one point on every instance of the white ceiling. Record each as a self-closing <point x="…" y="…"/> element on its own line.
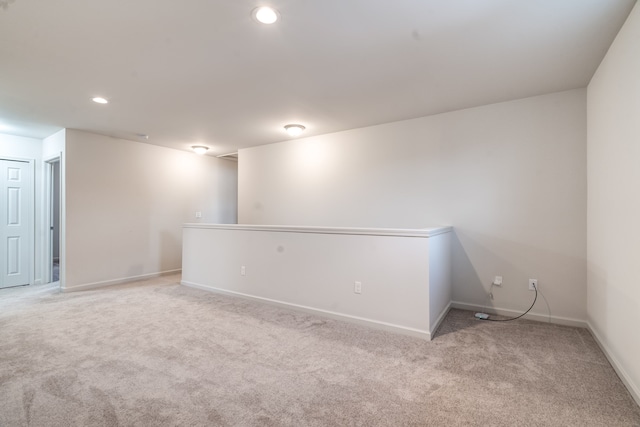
<point x="191" y="72"/>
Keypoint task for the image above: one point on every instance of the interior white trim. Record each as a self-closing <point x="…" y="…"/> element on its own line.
<point x="418" y="232"/>
<point x="46" y="247"/>
<point x="120" y="281"/>
<point x="46" y="216"/>
<point x="539" y="317"/>
<point x="617" y="366"/>
<point x="332" y="314"/>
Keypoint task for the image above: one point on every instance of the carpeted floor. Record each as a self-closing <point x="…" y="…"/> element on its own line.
<point x="155" y="353"/>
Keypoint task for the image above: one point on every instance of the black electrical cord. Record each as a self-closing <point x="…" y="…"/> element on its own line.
<point x="514" y="318"/>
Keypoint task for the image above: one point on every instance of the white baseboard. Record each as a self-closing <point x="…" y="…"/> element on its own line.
<point x="634" y="389"/>
<point x="426" y="335"/>
<point x="120" y="281"/>
<point x="558" y="320"/>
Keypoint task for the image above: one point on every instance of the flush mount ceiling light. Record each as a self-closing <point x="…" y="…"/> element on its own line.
<point x="265" y="15"/>
<point x="100" y="100"/>
<point x="199" y="149"/>
<point x="294" y="130"/>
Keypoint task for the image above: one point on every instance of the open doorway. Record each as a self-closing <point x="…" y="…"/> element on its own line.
<point x="53" y="204"/>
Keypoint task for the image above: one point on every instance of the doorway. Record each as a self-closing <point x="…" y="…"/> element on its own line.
<point x="52" y="257"/>
<point x="16" y="222"/>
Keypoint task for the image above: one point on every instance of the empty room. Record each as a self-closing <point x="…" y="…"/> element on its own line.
<point x="319" y="213"/>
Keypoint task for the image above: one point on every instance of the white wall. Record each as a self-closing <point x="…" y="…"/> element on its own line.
<point x="126" y="203"/>
<point x="54" y="145"/>
<point x="19" y="147"/>
<point x="614" y="202"/>
<point x="510" y="177"/>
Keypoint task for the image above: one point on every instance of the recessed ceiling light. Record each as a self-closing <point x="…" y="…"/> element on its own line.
<point x="199" y="149"/>
<point x="294" y="130"/>
<point x="100" y="100"/>
<point x="265" y="15"/>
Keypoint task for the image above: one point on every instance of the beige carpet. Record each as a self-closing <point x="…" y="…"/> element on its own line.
<point x="159" y="354"/>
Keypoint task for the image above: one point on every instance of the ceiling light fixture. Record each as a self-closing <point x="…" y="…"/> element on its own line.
<point x="265" y="15"/>
<point x="294" y="130"/>
<point x="100" y="100"/>
<point x="199" y="149"/>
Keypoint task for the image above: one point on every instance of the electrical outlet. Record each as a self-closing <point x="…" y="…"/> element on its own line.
<point x="357" y="287"/>
<point x="533" y="284"/>
<point x="243" y="271"/>
<point x="497" y="281"/>
<point x="198" y="214"/>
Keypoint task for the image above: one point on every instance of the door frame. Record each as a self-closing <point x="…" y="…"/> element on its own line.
<point x="47" y="216"/>
<point x="31" y="206"/>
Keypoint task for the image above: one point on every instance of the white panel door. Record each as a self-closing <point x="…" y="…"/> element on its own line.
<point x="15" y="247"/>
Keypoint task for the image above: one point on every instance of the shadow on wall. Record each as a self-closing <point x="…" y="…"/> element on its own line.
<point x="170" y="252"/>
<point x="478" y="258"/>
<point x="598" y="287"/>
<point x="227" y="188"/>
<point x="135" y="271"/>
<point x="467" y="284"/>
<point x="165" y="256"/>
